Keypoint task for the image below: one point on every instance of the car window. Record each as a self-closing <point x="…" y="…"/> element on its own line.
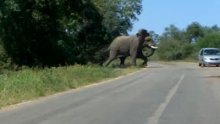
<point x="201" y="52"/>
<point x="211" y="52"/>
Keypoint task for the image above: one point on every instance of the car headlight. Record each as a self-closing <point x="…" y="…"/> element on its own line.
<point x="205" y="58"/>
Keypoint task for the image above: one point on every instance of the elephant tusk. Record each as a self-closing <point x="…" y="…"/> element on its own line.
<point x="153" y="47"/>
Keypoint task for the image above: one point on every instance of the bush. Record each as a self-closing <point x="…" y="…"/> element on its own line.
<point x="210" y="40"/>
<point x="174" y="50"/>
<point x="5" y="60"/>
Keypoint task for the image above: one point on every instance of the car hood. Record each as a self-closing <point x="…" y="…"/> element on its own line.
<point x="211" y="56"/>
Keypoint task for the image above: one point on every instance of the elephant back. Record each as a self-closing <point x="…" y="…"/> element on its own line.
<point x="122" y="42"/>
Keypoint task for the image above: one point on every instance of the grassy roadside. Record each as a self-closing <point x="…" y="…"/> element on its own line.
<point x="27" y="84"/>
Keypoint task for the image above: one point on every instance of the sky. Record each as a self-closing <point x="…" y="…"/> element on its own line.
<point x="158" y="14"/>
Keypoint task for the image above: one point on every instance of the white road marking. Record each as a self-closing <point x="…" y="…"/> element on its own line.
<point x="156" y="116"/>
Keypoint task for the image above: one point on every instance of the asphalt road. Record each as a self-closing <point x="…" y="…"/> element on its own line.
<point x="163" y="93"/>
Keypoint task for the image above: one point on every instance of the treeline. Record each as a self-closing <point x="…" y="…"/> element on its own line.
<point x="60" y="32"/>
<point x="177" y="44"/>
<point x="65" y="32"/>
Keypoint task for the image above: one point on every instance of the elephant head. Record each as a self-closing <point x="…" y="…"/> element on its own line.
<point x="142" y="33"/>
<point x="151" y="46"/>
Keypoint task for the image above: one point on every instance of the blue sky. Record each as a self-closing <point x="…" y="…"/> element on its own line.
<point x="158" y="14"/>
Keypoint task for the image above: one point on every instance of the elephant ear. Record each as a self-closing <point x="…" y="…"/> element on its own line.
<point x="142" y="32"/>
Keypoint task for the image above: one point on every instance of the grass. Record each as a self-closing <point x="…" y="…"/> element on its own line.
<point x="27" y="84"/>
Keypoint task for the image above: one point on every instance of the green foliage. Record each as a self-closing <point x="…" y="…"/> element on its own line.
<point x="210" y="40"/>
<point x="43" y="32"/>
<point x="170" y="50"/>
<point x="154" y="36"/>
<point x="58" y="32"/>
<point x="29" y="83"/>
<point x="118" y="14"/>
<point x="194" y="31"/>
<point x="210" y="30"/>
<point x="173" y="44"/>
<point x="173" y="33"/>
<point x="5" y="61"/>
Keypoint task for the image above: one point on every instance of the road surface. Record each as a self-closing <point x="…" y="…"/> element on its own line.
<point x="163" y="93"/>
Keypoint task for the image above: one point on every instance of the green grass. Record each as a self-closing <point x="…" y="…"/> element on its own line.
<point x="27" y="84"/>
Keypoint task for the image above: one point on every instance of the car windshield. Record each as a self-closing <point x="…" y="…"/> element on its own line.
<point x="211" y="52"/>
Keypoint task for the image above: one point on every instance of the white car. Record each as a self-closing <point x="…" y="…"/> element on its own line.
<point x="209" y="56"/>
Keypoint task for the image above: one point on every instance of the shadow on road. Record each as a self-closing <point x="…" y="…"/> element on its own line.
<point x="217" y="76"/>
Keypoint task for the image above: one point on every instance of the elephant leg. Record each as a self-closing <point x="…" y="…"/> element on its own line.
<point x="122" y="60"/>
<point x="112" y="56"/>
<point x="133" y="55"/>
<point x="144" y="58"/>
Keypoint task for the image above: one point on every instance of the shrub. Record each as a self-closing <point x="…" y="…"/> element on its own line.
<point x="174" y="50"/>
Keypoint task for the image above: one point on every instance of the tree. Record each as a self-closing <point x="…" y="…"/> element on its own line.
<point x="57" y="32"/>
<point x="173" y="44"/>
<point x="173" y="33"/>
<point x="209" y="40"/>
<point x="154" y="36"/>
<point x="194" y="31"/>
<point x="119" y="14"/>
<point x="215" y="28"/>
<point x="50" y="32"/>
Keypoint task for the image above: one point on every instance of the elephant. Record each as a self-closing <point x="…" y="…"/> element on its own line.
<point x="150" y="45"/>
<point x="123" y="46"/>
